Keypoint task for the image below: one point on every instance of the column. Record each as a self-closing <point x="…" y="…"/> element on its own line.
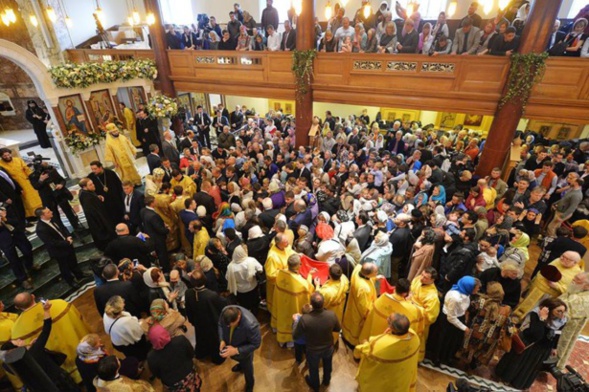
<point x="305" y="41"/>
<point x="534" y="40"/>
<point x="157" y="34"/>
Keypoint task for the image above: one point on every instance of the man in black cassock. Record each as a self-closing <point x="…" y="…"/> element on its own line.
<point x="109" y="186"/>
<point x="101" y="226"/>
<point x="147" y="131"/>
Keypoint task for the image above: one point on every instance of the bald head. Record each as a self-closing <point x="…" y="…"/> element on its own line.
<point x="369" y="270"/>
<point x="294" y="263"/>
<point x="23" y="301"/>
<point x="122" y="229"/>
<point x="398" y="323"/>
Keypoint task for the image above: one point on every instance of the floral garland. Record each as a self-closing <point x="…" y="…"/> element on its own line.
<point x="72" y="75"/>
<point x="78" y="142"/>
<point x="161" y="106"/>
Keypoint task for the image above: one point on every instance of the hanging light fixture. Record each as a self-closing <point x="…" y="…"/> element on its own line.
<point x="150" y="18"/>
<point x="488" y="6"/>
<point x="452" y="8"/>
<point x="135" y="14"/>
<point x="34" y="20"/>
<point x="68" y="21"/>
<point x="410" y="8"/>
<point x="328" y="10"/>
<point x="99" y="13"/>
<point x="367" y="10"/>
<point x="298" y="6"/>
<point x="51" y="14"/>
<point x="344" y="2"/>
<point x="11" y="15"/>
<point x="503" y="4"/>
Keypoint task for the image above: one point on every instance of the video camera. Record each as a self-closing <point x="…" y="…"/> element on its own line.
<point x="571" y="381"/>
<point x="37" y="161"/>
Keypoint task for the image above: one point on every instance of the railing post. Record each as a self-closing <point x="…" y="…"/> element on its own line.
<point x="534" y="40"/>
<point x="305" y="41"/>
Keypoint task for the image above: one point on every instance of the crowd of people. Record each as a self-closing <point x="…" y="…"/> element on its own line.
<point x="377" y="32"/>
<point x="380" y="233"/>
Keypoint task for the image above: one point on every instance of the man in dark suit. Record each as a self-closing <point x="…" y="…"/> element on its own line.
<point x="268" y="216"/>
<point x="154" y="226"/>
<point x="127" y="246"/>
<point x="220" y="121"/>
<point x="153" y="158"/>
<point x="147" y="131"/>
<point x="302" y="171"/>
<point x="173" y="38"/>
<point x="12" y="237"/>
<point x="203" y="198"/>
<point x="362" y="233"/>
<point x="114" y="286"/>
<point x="170" y="149"/>
<point x="59" y="245"/>
<point x="409" y="40"/>
<point x="236" y="118"/>
<point x="10" y="195"/>
<point x="556" y="36"/>
<point x="203" y="122"/>
<point x="134" y="202"/>
<point x="289" y="38"/>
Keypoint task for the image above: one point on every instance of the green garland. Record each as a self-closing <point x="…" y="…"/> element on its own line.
<point x="302" y="67"/>
<point x="526" y="71"/>
<point x="73" y="75"/>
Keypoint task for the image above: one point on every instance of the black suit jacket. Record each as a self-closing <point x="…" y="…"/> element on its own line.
<point x="16" y="209"/>
<point x="56" y="245"/>
<point x="137" y="203"/>
<point x="117" y="287"/>
<point x="362" y="234"/>
<point x="153" y="161"/>
<point x="304" y="172"/>
<point x="129" y="247"/>
<point x="153" y="225"/>
<point x="171" y="152"/>
<point x="199" y="119"/>
<point x="289" y="42"/>
<point x="206" y="200"/>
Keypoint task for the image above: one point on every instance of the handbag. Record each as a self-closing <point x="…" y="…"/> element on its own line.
<point x="518" y="345"/>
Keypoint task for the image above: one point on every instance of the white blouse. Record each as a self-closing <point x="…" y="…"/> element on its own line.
<point x="125" y="331"/>
<point x="455" y="305"/>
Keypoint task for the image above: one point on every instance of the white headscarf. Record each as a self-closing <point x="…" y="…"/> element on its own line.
<point x="239" y="257"/>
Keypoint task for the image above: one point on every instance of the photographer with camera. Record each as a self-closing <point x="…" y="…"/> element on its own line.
<point x="53" y="190"/>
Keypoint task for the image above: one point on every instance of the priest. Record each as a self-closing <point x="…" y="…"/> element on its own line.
<point x="66" y="332"/>
<point x="277" y="260"/>
<point x="6" y="323"/>
<point x="20" y="172"/>
<point x="334" y="292"/>
<point x="291" y="292"/>
<point x="386" y="304"/>
<point x="121" y="153"/>
<point x="425" y="294"/>
<point x="577" y="300"/>
<point x="109" y="186"/>
<point x="99" y="220"/>
<point x="568" y="267"/>
<point x="388" y="362"/>
<point x="360" y="301"/>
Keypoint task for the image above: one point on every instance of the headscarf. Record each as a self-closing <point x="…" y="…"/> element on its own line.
<point x="158" y="336"/>
<point x="381" y="239"/>
<point x="88" y="353"/>
<point x="239" y="257"/>
<point x="255" y="232"/>
<point x="157" y="310"/>
<point x="324" y="231"/>
<point x="494" y="298"/>
<point x="228" y="224"/>
<point x="205" y="263"/>
<point x="465" y="285"/>
<point x="223" y="211"/>
<point x="522" y="244"/>
<point x="440" y="220"/>
<point x="441" y="198"/>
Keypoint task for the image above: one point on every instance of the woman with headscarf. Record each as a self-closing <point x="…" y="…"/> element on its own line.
<point x="447" y="333"/>
<point x="488" y="324"/>
<point x="423" y="254"/>
<point x="90" y="351"/>
<point x="124" y="330"/>
<point x="539" y="335"/>
<point x="304" y="244"/>
<point x="158" y="287"/>
<point x="379" y="253"/>
<point x="520" y="241"/>
<point x="38" y="119"/>
<point x="241" y="278"/>
<point x="438" y="195"/>
<point x="330" y="248"/>
<point x="258" y="244"/>
<point x="210" y="272"/>
<point x="161" y="313"/>
<point x="171" y="361"/>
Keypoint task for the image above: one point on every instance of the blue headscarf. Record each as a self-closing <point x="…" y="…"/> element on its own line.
<point x="465" y="285"/>
<point x="441" y="198"/>
<point x="228" y="224"/>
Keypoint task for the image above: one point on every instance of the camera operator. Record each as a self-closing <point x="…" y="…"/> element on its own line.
<point x="53" y="191"/>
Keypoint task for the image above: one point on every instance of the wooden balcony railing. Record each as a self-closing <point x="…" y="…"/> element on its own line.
<point x="470" y="84"/>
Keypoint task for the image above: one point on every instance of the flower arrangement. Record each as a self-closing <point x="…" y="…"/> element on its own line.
<point x="72" y="75"/>
<point x="78" y="142"/>
<point x="161" y="106"/>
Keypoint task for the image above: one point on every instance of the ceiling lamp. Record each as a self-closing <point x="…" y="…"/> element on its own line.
<point x="68" y="21"/>
<point x="34" y="20"/>
<point x="298" y="6"/>
<point x="136" y="17"/>
<point x="488" y="6"/>
<point x="328" y="10"/>
<point x="5" y="19"/>
<point x="344" y="2"/>
<point x="150" y="18"/>
<point x="367" y="10"/>
<point x="452" y="9"/>
<point x="51" y="14"/>
<point x="503" y="4"/>
<point x="11" y="15"/>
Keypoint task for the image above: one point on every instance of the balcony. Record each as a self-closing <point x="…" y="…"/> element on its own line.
<point x="447" y="83"/>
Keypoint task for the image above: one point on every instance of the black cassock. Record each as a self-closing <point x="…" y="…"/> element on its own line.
<point x="203" y="308"/>
<point x="109" y="185"/>
<point x="101" y="226"/>
<point x="39" y="125"/>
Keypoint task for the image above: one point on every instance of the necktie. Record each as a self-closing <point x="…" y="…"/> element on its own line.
<point x="128" y="202"/>
<point x="56" y="229"/>
<point x="465" y="45"/>
<point x="7" y="178"/>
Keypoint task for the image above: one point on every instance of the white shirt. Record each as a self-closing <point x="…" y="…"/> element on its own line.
<point x="329" y="251"/>
<point x="455" y="305"/>
<point x="342" y="33"/>
<point x="274" y="41"/>
<point x="245" y="282"/>
<point x="125" y="332"/>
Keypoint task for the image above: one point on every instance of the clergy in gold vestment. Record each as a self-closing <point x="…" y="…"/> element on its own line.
<point x="130" y="121"/>
<point x="6" y="324"/>
<point x="334" y="292"/>
<point x="388" y="362"/>
<point x="20" y="172"/>
<point x="567" y="265"/>
<point x="276" y="261"/>
<point x="387" y="304"/>
<point x="577" y="300"/>
<point x="121" y="152"/>
<point x="201" y="239"/>
<point x="67" y="330"/>
<point x="164" y="209"/>
<point x="178" y="205"/>
<point x="425" y="294"/>
<point x="187" y="183"/>
<point x="291" y="292"/>
<point x="360" y="301"/>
